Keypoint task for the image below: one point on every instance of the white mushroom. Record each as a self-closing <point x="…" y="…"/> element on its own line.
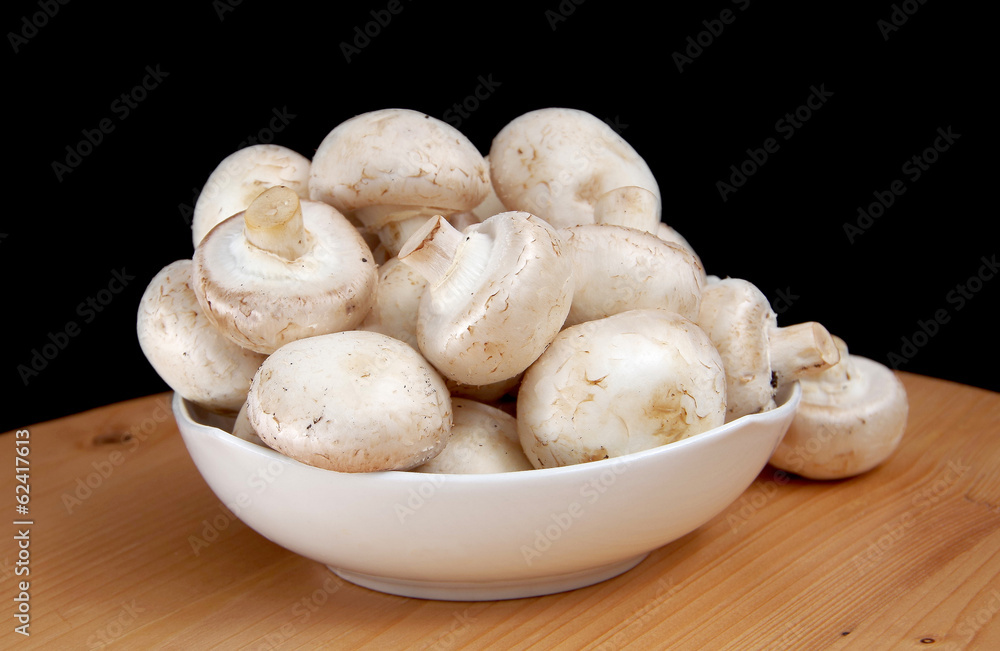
<point x="851" y="418"/>
<point x="638" y="208"/>
<point x="242" y="429"/>
<point x="352" y="401"/>
<point x="622" y="384"/>
<point x="558" y="162"/>
<point x="240" y="178"/>
<point x="757" y="354"/>
<point x="670" y="234"/>
<point x="630" y="206"/>
<point x="185" y="350"/>
<point x="397" y="300"/>
<point x="616" y="268"/>
<point x="497" y="294"/>
<point x="489" y="206"/>
<point x="488" y="393"/>
<point x="283" y="270"/>
<point x="462" y="220"/>
<point x="483" y="440"/>
<point x="392" y="169"/>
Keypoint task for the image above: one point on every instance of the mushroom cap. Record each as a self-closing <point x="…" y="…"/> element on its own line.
<point x="261" y="300"/>
<point x="630" y="206"/>
<point x="464" y="219"/>
<point x="398" y="157"/>
<point x="625" y="383"/>
<point x="483" y="440"/>
<point x="488" y="393"/>
<point x="759" y="356"/>
<point x="397" y="300"/>
<point x="557" y="162"/>
<point x="352" y="401"/>
<point x="845" y="426"/>
<point x="240" y="177"/>
<point x="617" y="268"/>
<point x="491" y="205"/>
<point x="185" y="349"/>
<point x="242" y="429"/>
<point x="505" y="297"/>
<point x="670" y="234"/>
<point x="737" y="317"/>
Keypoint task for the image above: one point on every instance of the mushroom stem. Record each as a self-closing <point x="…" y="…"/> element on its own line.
<point x="273" y="222"/>
<point x="432" y="249"/>
<point x="395" y="234"/>
<point x="837" y="376"/>
<point x="394" y="224"/>
<point x="801" y="349"/>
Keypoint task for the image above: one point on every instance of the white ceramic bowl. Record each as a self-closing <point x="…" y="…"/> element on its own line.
<point x="484" y="537"/>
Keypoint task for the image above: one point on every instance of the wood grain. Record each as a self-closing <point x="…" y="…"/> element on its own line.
<point x="129" y="547"/>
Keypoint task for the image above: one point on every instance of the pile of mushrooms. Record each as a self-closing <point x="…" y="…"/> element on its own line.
<point x="403" y="301"/>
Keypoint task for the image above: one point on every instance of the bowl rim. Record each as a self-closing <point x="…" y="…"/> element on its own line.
<point x="787" y="399"/>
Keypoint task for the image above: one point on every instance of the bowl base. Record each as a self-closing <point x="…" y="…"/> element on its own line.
<point x="491" y="590"/>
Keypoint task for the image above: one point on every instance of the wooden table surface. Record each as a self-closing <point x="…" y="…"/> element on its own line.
<point x="129" y="547"/>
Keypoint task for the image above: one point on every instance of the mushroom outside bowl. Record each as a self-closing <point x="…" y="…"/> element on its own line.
<point x="485" y="536"/>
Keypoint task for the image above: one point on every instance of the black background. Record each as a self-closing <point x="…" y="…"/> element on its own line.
<point x="225" y="69"/>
